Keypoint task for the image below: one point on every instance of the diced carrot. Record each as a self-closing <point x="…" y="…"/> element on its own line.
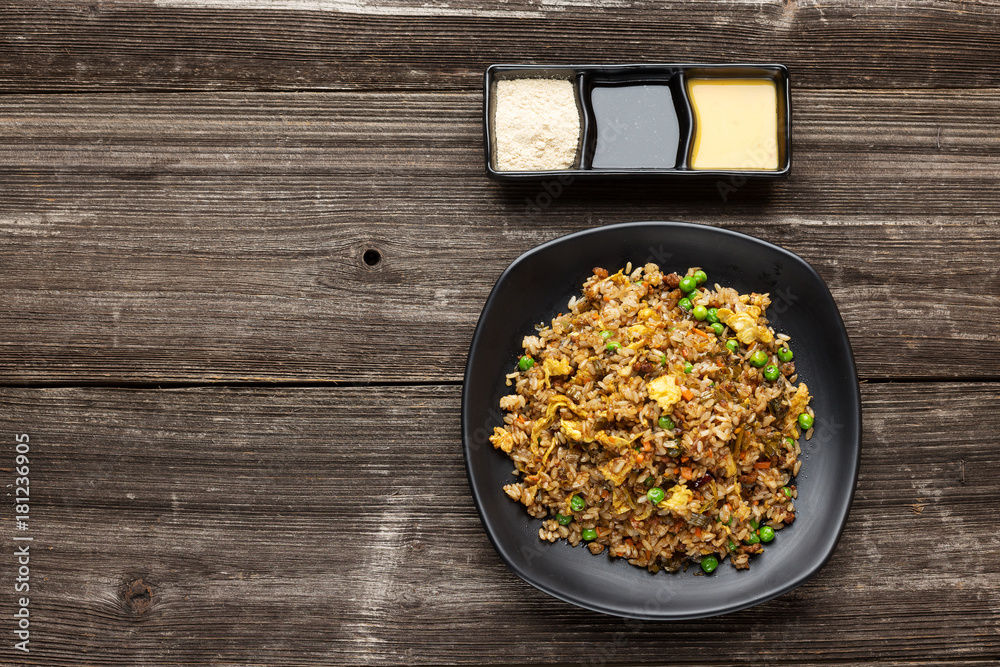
<point x="687" y="394"/>
<point x="685" y="459"/>
<point x="762" y="465"/>
<point x="687" y="473"/>
<point x="697" y="532"/>
<point x="701" y="333"/>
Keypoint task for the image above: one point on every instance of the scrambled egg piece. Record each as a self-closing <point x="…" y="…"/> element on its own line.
<point x="614" y="442"/>
<point x="573" y="430"/>
<point x="555" y="403"/>
<point x="679" y="498"/>
<point x="621" y="500"/>
<point x="638" y="331"/>
<point x="730" y="465"/>
<point x="745" y="325"/>
<point x="502" y="439"/>
<point x="643" y="512"/>
<point x="608" y="469"/>
<point x="800" y="400"/>
<point x="797" y="404"/>
<point x="664" y="390"/>
<point x="555" y="367"/>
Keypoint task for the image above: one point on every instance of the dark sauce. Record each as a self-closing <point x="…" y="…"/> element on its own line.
<point x="637" y="127"/>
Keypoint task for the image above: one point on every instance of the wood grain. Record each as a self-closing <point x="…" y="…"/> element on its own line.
<point x="279" y="527"/>
<point x="342" y="44"/>
<point x="219" y="237"/>
<point x="187" y="191"/>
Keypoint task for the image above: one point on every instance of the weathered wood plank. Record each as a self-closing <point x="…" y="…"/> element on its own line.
<point x="335" y="525"/>
<point x="916" y="141"/>
<point x="219" y="237"/>
<point x="338" y="44"/>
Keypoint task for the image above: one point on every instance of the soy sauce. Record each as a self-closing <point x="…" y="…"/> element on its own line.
<point x="637" y="127"/>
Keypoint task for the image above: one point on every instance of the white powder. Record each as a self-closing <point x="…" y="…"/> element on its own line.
<point x="536" y="124"/>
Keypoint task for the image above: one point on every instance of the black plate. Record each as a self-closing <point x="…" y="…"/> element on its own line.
<point x="537" y="286"/>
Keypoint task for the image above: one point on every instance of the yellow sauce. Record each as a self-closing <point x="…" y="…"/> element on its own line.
<point x="736" y="123"/>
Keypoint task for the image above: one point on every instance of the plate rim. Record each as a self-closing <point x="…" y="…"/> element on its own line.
<point x="583" y="602"/>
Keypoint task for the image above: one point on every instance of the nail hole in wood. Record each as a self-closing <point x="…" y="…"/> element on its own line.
<point x="138" y="596"/>
<point x="372" y="257"/>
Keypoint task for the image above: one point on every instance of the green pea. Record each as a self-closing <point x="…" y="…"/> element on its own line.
<point x="786" y="491"/>
<point x="785" y="354"/>
<point x="758" y="359"/>
<point x="733" y="345"/>
<point x="655" y="495"/>
<point x="700" y="277"/>
<point x="713" y="315"/>
<point x="789" y="443"/>
<point x="753" y="539"/>
<point x="700" y="313"/>
<point x="588" y="534"/>
<point x="754" y="524"/>
<point x="718" y="328"/>
<point x="564" y="520"/>
<point x="709" y="563"/>
<point x="688" y="284"/>
<point x="613" y="346"/>
<point x="731" y="545"/>
<point x="666" y="423"/>
<point x="771" y="372"/>
<point x="649" y="481"/>
<point x="576" y="503"/>
<point x="663" y="360"/>
<point x="688" y="367"/>
<point x="685" y="303"/>
<point x="606" y="334"/>
<point x="674" y="451"/>
<point x="525" y="362"/>
<point x="806" y="421"/>
<point x="766" y="534"/>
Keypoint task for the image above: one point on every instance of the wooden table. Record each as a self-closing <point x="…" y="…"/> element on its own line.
<point x="244" y="439"/>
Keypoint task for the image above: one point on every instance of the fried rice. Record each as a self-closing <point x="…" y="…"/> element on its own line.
<point x="635" y="430"/>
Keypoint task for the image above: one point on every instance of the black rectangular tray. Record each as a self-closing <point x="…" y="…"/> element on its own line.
<point x="674" y="75"/>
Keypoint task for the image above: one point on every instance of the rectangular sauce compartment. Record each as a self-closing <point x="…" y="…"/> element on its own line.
<point x="636" y="120"/>
<point x="644" y="121"/>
